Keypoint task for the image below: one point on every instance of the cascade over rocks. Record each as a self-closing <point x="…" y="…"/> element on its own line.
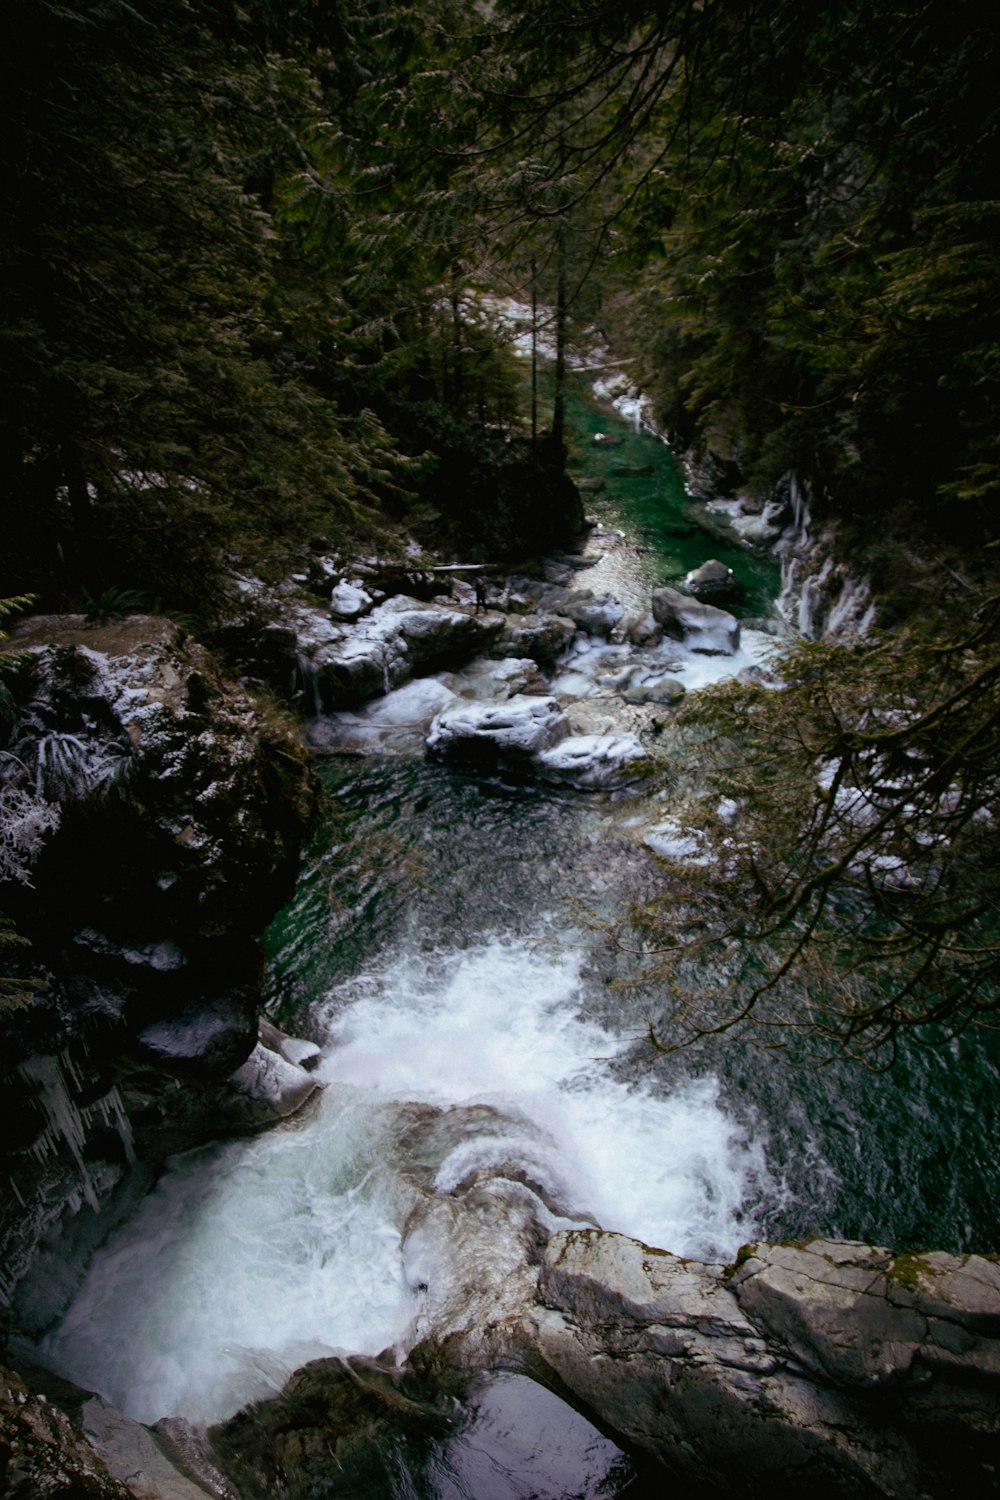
<point x="829" y="1366"/>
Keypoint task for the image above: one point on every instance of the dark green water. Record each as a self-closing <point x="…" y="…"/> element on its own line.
<point x="643" y="495"/>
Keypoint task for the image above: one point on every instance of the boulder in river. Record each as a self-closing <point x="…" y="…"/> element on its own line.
<point x="713" y="582"/>
<point x="593" y="762"/>
<point x="828" y="1364"/>
<point x="504" y="735"/>
<point x="700" y="626"/>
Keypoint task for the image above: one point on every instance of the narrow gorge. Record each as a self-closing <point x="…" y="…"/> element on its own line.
<point x="481" y="1142"/>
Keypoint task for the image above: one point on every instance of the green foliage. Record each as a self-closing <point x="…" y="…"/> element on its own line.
<point x="15" y="990"/>
<point x="856" y="892"/>
<point x="114" y="603"/>
<point x="162" y="412"/>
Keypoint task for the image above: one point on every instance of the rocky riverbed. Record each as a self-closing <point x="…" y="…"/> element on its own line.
<point x="835" y="1364"/>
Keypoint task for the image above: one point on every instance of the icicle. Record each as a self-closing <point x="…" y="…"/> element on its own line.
<point x="64" y="1118"/>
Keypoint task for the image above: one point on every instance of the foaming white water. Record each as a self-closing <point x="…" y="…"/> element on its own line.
<point x="246" y="1262"/>
<point x="241" y="1266"/>
<point x="499" y="1024"/>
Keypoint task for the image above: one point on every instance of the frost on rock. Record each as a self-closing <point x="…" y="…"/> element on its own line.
<point x="702" y="627"/>
<point x="594" y="762"/>
<point x="512" y="731"/>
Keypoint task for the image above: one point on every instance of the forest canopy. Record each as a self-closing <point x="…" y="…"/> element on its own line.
<point x="236" y="240"/>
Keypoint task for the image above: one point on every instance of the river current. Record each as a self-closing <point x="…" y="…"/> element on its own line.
<point x="446" y="947"/>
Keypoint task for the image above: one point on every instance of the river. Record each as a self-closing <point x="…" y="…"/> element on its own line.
<point x="446" y="948"/>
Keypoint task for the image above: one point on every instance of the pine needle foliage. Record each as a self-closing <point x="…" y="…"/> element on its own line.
<point x="855" y="894"/>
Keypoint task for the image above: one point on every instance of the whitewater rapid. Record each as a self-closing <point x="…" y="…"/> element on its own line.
<point x="248" y="1260"/>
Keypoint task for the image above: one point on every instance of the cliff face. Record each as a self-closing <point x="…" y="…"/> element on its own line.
<point x="153" y="817"/>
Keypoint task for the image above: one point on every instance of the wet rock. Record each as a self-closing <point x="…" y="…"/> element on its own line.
<point x="543" y="638"/>
<point x="832" y="1365"/>
<point x="45" y="1456"/>
<point x="331" y="1430"/>
<point x="275" y="1080"/>
<point x="135" y="1457"/>
<point x="700" y="626"/>
<point x="712" y="582"/>
<point x="349" y="601"/>
<point x="507" y="734"/>
<point x="593" y="762"/>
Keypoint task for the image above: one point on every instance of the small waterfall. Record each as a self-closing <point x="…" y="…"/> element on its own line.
<point x="816" y="596"/>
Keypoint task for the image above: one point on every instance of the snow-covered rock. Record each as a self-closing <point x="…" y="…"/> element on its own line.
<point x="349" y="601"/>
<point x="700" y="626"/>
<point x="593" y="762"/>
<point x="506" y="734"/>
<point x="346" y="665"/>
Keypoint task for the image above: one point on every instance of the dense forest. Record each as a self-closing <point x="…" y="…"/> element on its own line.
<point x="247" y="251"/>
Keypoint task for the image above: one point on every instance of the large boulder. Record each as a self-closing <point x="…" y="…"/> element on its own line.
<point x="832" y="1366"/>
<point x="700" y="626"/>
<point x="506" y="735"/>
<point x="345" y="666"/>
<point x="593" y="762"/>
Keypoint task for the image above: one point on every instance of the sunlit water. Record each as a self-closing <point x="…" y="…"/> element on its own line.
<point x="446" y="948"/>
